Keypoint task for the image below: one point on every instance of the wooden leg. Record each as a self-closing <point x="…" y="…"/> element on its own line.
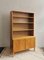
<point x="13" y="53"/>
<point x="34" y="48"/>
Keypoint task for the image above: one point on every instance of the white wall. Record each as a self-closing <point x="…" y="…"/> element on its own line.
<point x="35" y="6"/>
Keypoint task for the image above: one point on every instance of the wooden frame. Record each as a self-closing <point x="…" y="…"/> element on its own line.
<point x="21" y="31"/>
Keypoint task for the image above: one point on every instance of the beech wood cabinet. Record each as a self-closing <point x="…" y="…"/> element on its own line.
<point x="21" y="31"/>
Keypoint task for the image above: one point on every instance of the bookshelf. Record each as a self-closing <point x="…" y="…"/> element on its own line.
<point x="21" y="25"/>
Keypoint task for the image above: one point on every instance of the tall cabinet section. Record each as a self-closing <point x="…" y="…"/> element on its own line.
<point x="21" y="31"/>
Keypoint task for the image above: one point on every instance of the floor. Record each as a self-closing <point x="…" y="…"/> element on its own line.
<point x="25" y="55"/>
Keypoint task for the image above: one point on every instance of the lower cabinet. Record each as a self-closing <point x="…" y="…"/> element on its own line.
<point x="23" y="44"/>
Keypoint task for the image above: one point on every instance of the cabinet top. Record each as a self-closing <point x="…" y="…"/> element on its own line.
<point x="21" y="12"/>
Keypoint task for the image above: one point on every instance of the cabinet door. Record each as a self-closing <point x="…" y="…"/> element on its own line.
<point x="32" y="43"/>
<point x="22" y="44"/>
<point x="28" y="43"/>
<point x="16" y="45"/>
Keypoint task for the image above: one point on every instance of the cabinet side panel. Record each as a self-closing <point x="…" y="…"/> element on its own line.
<point x="11" y="42"/>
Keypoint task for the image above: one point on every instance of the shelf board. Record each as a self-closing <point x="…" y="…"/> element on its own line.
<point x="22" y="22"/>
<point x="21" y="17"/>
<point x="23" y="37"/>
<point x="22" y="29"/>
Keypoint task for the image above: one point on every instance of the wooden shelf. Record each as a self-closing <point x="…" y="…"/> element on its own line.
<point x="21" y="17"/>
<point x="22" y="22"/>
<point x="22" y="29"/>
<point x="23" y="37"/>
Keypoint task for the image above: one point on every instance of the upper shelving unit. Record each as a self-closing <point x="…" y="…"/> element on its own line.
<point x="22" y="24"/>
